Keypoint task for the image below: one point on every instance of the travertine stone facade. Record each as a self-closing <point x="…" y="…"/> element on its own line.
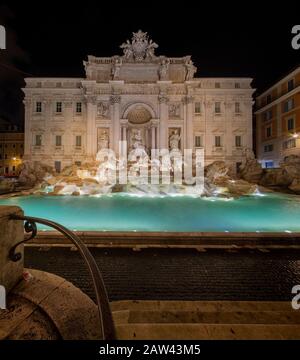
<point x="67" y="120"/>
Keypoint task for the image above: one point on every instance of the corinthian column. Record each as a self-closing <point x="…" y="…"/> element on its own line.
<point x="91" y="134"/>
<point x="124" y="125"/>
<point x="154" y="132"/>
<point x="163" y="124"/>
<point x="115" y="101"/>
<point x="189" y="111"/>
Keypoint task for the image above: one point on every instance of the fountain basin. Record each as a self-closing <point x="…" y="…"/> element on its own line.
<point x="122" y="212"/>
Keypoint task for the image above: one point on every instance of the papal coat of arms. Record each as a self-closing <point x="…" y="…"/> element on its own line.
<point x="140" y="48"/>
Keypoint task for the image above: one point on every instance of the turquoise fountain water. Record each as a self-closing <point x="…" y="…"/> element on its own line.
<point x="125" y="212"/>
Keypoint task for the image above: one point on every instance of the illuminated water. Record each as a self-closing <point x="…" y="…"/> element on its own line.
<point x="125" y="212"/>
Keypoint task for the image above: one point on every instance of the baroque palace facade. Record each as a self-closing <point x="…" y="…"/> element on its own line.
<point x="137" y="95"/>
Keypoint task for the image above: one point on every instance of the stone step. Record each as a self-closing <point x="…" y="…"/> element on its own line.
<point x="207" y="332"/>
<point x="193" y="317"/>
<point x="200" y="306"/>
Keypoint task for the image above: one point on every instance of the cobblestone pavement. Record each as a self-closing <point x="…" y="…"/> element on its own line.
<point x="173" y="274"/>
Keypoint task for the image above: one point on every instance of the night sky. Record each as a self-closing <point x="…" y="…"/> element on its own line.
<point x="50" y="38"/>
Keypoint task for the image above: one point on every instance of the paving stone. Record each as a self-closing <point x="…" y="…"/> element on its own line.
<point x="178" y="274"/>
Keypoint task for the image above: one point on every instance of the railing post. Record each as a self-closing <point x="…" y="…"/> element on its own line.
<point x="105" y="315"/>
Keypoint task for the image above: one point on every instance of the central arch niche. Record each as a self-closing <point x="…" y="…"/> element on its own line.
<point x="139" y="119"/>
<point x="139" y="115"/>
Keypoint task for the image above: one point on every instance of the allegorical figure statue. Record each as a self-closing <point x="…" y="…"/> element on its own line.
<point x="150" y="49"/>
<point x="190" y="69"/>
<point x="116" y="69"/>
<point x="127" y="50"/>
<point x="102" y="109"/>
<point x="164" y="69"/>
<point x="103" y="140"/>
<point x="137" y="140"/>
<point x="174" y="140"/>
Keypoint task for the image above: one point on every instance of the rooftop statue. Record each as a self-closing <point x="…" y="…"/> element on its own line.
<point x="140" y="48"/>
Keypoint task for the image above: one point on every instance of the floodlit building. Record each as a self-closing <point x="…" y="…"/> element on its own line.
<point x="278" y="120"/>
<point x="137" y="95"/>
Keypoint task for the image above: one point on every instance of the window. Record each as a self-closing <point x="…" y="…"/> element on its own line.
<point x="238" y="141"/>
<point x="197" y="107"/>
<point x="237" y="108"/>
<point x="38" y="107"/>
<point x="0" y="156"/>
<point x="58" y="140"/>
<point x="6" y="170"/>
<point x="59" y="107"/>
<point x="78" y="163"/>
<point x="13" y="168"/>
<point x="268" y="131"/>
<point x="237" y="85"/>
<point x="291" y="85"/>
<point x="289" y="144"/>
<point x="269" y="99"/>
<point x="288" y="105"/>
<point x="291" y="124"/>
<point x="217" y="141"/>
<point x="78" y="108"/>
<point x="57" y="166"/>
<point x="38" y="140"/>
<point x="268" y="115"/>
<point x="217" y="85"/>
<point x="5" y="156"/>
<point x="217" y="107"/>
<point x="78" y="140"/>
<point x="14" y="145"/>
<point x="198" y="141"/>
<point x="268" y="148"/>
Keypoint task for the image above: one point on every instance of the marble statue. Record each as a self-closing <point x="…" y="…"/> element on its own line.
<point x="190" y="69"/>
<point x="103" y="140"/>
<point x="116" y="68"/>
<point x="102" y="109"/>
<point x="150" y="50"/>
<point x="140" y="48"/>
<point x="174" y="140"/>
<point x="137" y="140"/>
<point x="174" y="110"/>
<point x="127" y="50"/>
<point x="138" y="148"/>
<point x="164" y="69"/>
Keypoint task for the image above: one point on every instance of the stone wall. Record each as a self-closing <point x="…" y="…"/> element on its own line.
<point x="11" y="232"/>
